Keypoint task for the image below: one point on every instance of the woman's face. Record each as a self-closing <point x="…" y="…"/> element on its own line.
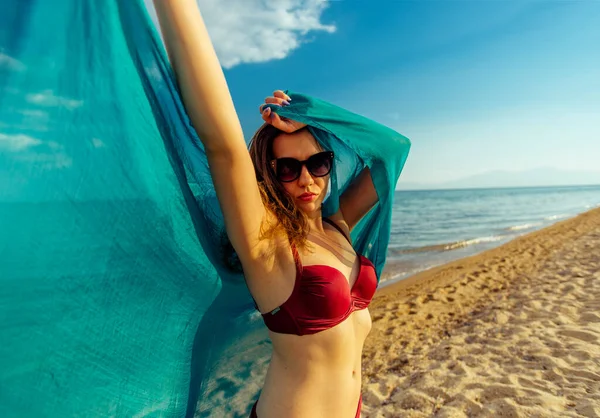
<point x="307" y="191"/>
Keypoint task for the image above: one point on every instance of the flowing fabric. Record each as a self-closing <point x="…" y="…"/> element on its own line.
<point x="115" y="300"/>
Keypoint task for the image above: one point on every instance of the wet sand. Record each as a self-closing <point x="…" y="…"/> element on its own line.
<point x="511" y="332"/>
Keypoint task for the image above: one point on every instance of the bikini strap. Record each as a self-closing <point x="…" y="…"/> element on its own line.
<point x="296" y="258"/>
<point x="336" y="226"/>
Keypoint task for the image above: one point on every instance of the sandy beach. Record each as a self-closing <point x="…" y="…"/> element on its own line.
<point x="511" y="332"/>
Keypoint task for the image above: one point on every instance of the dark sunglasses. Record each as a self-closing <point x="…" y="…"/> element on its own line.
<point x="289" y="169"/>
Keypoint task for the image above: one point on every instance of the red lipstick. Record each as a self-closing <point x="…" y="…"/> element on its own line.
<point x="307" y="197"/>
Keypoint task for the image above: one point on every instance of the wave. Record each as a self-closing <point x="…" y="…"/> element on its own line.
<point x="523" y="226"/>
<point x="449" y="246"/>
<point x="555" y="217"/>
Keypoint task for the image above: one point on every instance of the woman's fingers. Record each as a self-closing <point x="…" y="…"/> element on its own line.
<point x="281" y="95"/>
<point x="271" y="118"/>
<point x="266" y="115"/>
<point x="277" y="121"/>
<point x="263" y="106"/>
<point x="277" y="100"/>
<point x="273" y="100"/>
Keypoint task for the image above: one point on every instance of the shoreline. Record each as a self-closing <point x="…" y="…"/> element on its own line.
<point x="391" y="276"/>
<point x="428" y="313"/>
<point x="442" y="270"/>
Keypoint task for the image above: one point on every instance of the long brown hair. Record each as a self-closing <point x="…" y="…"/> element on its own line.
<point x="291" y="220"/>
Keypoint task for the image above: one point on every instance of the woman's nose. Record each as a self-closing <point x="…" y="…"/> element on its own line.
<point x="305" y="178"/>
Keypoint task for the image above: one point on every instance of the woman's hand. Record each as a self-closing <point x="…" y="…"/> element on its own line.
<point x="279" y="98"/>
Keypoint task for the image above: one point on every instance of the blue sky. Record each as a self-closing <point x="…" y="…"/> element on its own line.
<point x="476" y="85"/>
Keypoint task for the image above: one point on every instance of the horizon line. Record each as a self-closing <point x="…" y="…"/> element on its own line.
<point x="497" y="187"/>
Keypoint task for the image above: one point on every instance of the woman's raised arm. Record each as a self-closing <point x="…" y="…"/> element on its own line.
<point x="199" y="75"/>
<point x="210" y="108"/>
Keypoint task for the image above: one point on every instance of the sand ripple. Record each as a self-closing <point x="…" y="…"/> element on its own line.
<point x="513" y="332"/>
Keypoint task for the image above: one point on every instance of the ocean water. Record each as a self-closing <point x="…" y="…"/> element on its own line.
<point x="432" y="227"/>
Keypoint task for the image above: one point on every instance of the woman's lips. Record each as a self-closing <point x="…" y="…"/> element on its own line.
<point x="307" y="197"/>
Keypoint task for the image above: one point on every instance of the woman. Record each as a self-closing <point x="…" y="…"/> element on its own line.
<point x="311" y="287"/>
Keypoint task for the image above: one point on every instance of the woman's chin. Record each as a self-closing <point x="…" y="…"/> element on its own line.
<point x="309" y="207"/>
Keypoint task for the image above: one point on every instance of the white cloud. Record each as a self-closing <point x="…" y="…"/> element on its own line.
<point x="35" y="113"/>
<point x="23" y="147"/>
<point x="252" y="31"/>
<point x="18" y="142"/>
<point x="34" y="120"/>
<point x="10" y="63"/>
<point x="97" y="143"/>
<point x="46" y="161"/>
<point x="48" y="98"/>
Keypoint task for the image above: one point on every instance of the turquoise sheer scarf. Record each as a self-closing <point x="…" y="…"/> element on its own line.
<point x="115" y="300"/>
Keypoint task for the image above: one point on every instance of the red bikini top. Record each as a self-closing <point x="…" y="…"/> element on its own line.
<point x="322" y="297"/>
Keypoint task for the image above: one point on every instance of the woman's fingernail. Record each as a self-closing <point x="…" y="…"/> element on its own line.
<point x="285" y="103"/>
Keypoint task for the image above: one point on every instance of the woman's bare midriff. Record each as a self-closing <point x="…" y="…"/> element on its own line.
<point x="318" y="375"/>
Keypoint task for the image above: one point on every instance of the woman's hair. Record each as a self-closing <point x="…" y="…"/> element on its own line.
<point x="291" y="220"/>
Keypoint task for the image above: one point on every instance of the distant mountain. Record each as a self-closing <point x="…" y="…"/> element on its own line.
<point x="498" y="178"/>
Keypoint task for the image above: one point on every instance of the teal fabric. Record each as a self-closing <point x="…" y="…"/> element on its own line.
<point x="115" y="298"/>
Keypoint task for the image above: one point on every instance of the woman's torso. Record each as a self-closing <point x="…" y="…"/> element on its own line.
<point x="316" y="375"/>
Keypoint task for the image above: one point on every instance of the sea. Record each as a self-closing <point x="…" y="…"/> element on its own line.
<point x="433" y="227"/>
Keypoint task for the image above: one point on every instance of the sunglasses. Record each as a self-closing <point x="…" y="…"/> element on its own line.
<point x="289" y="169"/>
